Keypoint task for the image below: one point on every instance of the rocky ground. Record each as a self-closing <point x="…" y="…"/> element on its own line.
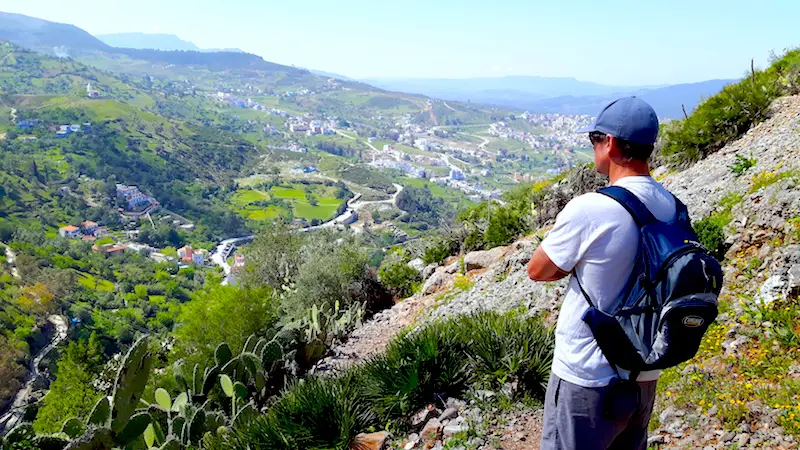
<point x="762" y="266"/>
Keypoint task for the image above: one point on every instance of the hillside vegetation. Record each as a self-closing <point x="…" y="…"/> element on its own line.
<point x="727" y="115"/>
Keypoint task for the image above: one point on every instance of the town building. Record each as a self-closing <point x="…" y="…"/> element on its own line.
<point x="109" y="250"/>
<point x="185" y="253"/>
<point x="457" y="175"/>
<point x="69" y="231"/>
<point x="89" y="227"/>
<point x="199" y="256"/>
<point x="91" y="93"/>
<point x="159" y="257"/>
<point x="134" y="196"/>
<point x="296" y="127"/>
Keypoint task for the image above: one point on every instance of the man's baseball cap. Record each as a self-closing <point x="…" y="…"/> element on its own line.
<point x="628" y="118"/>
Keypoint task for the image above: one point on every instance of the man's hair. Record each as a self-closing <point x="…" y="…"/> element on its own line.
<point x="634" y="150"/>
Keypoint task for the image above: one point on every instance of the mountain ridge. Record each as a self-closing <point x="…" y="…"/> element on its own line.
<point x="157" y="41"/>
<point x="565" y="95"/>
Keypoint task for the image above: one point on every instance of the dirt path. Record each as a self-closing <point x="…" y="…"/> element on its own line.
<point x="373" y="337"/>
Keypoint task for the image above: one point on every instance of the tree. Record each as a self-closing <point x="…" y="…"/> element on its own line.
<point x="505" y="224"/>
<point x="273" y="258"/>
<point x="71" y="394"/>
<point x="223" y="314"/>
<point x="326" y="274"/>
<point x="397" y="275"/>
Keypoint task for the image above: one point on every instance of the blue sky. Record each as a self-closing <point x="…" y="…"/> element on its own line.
<point x="622" y="42"/>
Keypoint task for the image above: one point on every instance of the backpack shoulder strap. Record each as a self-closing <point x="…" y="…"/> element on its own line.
<point x="641" y="215"/>
<point x="682" y="212"/>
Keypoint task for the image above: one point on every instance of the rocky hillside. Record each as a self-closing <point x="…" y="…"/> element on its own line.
<point x="743" y="388"/>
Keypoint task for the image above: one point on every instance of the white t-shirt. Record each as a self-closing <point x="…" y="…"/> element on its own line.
<point x="598" y="238"/>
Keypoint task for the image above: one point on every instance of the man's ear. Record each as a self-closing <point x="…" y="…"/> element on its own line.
<point x="614" y="153"/>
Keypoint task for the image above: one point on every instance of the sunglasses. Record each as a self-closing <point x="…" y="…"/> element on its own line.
<point x="595" y="137"/>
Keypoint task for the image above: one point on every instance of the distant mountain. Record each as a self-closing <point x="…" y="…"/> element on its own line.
<point x="558" y="95"/>
<point x="147" y="41"/>
<point x="157" y="41"/>
<point x="70" y="41"/>
<point x="331" y="75"/>
<point x="48" y="36"/>
<point x="466" y="88"/>
<point x="218" y="50"/>
<point x="668" y="101"/>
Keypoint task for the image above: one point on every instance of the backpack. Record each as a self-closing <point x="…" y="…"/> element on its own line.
<point x="668" y="302"/>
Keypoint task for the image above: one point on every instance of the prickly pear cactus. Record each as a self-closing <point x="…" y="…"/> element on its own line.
<point x="130" y="383"/>
<point x="223" y="354"/>
<point x="94" y="439"/>
<point x="72" y="427"/>
<point x="101" y="413"/>
<point x="272" y="352"/>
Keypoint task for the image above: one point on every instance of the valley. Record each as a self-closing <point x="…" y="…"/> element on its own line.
<point x="205" y="249"/>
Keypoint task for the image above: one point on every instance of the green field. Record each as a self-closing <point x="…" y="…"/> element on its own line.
<point x="450" y="195"/>
<point x="88" y="280"/>
<point x="245" y="196"/>
<point x="294" y="194"/>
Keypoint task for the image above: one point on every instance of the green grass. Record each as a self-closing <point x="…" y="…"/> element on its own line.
<point x="89" y="280"/>
<point x="294" y="194"/>
<point x="245" y="196"/>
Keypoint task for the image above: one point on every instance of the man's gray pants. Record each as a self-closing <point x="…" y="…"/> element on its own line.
<point x="611" y="417"/>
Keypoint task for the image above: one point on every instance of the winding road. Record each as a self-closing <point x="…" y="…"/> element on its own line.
<point x="224" y="249"/>
<point x="17" y="410"/>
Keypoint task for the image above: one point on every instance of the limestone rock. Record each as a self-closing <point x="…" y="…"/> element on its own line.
<point x="450" y="430"/>
<point x="428" y="270"/>
<point x="448" y="413"/>
<point x="371" y="441"/>
<point x="431" y="432"/>
<point x="483" y="259"/>
<point x="771" y="290"/>
<point x="417" y="264"/>
<point x="436" y="282"/>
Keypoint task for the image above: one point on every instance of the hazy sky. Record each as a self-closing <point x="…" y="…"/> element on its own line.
<point x="608" y="41"/>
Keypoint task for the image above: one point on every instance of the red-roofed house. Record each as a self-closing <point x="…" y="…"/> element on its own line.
<point x="89" y="226"/>
<point x="185" y="253"/>
<point x="69" y="231"/>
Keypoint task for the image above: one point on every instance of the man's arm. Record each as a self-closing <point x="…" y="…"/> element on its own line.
<point x="542" y="268"/>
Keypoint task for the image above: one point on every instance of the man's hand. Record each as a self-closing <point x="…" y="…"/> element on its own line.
<point x="541" y="268"/>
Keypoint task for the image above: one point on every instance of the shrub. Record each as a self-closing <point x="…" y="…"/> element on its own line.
<point x="741" y="164"/>
<point x="438" y="251"/>
<point x="766" y="178"/>
<point x="426" y="365"/>
<point x="505" y="225"/>
<point x="397" y="275"/>
<point x="711" y="233"/>
<point x="727" y="115"/>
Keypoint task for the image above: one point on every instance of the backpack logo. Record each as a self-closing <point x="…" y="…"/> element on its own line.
<point x="693" y="321"/>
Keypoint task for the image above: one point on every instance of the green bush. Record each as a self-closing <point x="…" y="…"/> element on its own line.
<point x="443" y="359"/>
<point x="727" y="115"/>
<point x="505" y="225"/>
<point x="438" y="251"/>
<point x="741" y="164"/>
<point x="711" y="233"/>
<point x="398" y="276"/>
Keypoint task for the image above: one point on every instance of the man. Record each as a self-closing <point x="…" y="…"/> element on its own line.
<point x="588" y="405"/>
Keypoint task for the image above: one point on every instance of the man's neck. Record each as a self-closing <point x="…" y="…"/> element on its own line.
<point x="636" y="169"/>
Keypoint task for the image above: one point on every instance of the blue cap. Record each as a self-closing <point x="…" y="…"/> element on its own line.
<point x="628" y="118"/>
